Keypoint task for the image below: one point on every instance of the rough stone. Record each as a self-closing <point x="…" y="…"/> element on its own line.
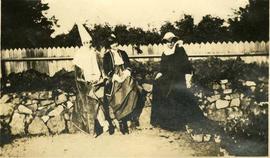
<point x="28" y="119"/>
<point x="147" y="87"/>
<point x="253" y="88"/>
<point x="222" y="104"/>
<point x="216" y="86"/>
<point x="28" y="102"/>
<point x="227" y="91"/>
<point x="45" y="118"/>
<point x="5" y="98"/>
<point x="66" y="116"/>
<point x="33" y="107"/>
<point x="6" y="109"/>
<point x="227" y="97"/>
<point x="57" y="111"/>
<point x="213" y="98"/>
<point x="45" y="95"/>
<point x="224" y="81"/>
<point x="206" y="137"/>
<point x="197" y="137"/>
<point x="46" y="102"/>
<point x="17" y="124"/>
<point x="245" y="102"/>
<point x="234" y="114"/>
<point x="235" y="102"/>
<point x="61" y="99"/>
<point x="223" y="87"/>
<point x="211" y="106"/>
<point x="69" y="104"/>
<point x="37" y="127"/>
<point x="24" y="110"/>
<point x="218" y="115"/>
<point x="235" y="95"/>
<point x="17" y="101"/>
<point x="34" y="95"/>
<point x="56" y="124"/>
<point x="250" y="83"/>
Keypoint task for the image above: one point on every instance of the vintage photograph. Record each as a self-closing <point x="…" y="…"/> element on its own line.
<point x="134" y="78"/>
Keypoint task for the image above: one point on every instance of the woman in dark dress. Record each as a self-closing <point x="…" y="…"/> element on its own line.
<point x="122" y="93"/>
<point x="173" y="105"/>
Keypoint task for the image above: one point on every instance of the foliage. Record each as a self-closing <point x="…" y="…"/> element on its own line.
<point x="251" y="22"/>
<point x="24" y="25"/>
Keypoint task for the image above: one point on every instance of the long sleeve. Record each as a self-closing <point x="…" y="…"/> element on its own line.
<point x="125" y="59"/>
<point x="181" y="61"/>
<point x="107" y="65"/>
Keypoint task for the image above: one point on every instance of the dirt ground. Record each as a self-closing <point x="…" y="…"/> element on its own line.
<point x="143" y="143"/>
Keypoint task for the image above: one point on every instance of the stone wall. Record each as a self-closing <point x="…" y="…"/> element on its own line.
<point x="239" y="112"/>
<point x="36" y="113"/>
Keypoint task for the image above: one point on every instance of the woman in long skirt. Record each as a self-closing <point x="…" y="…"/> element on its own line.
<point x="122" y="93"/>
<point x="173" y="104"/>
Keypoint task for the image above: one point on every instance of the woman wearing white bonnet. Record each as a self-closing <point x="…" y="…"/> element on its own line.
<point x="172" y="103"/>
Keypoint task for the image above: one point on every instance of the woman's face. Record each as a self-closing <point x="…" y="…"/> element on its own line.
<point x="170" y="44"/>
<point x="114" y="46"/>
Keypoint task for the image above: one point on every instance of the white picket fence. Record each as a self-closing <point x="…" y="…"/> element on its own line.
<point x="51" y="60"/>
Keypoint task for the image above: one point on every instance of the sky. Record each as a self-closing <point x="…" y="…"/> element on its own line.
<point x="146" y="14"/>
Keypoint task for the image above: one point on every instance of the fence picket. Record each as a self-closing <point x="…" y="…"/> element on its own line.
<point x="52" y="66"/>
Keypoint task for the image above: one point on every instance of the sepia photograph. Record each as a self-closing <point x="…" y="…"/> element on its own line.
<point x="134" y="78"/>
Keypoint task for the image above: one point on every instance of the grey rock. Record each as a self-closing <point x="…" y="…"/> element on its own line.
<point x="37" y="127"/>
<point x="17" y="125"/>
<point x="56" y="124"/>
<point x="234" y="114"/>
<point x="57" y="111"/>
<point x="227" y="91"/>
<point x="45" y="118"/>
<point x="33" y="95"/>
<point x="5" y="98"/>
<point x="253" y="88"/>
<point x="222" y="104"/>
<point x="250" y="83"/>
<point x="28" y="119"/>
<point x="61" y="99"/>
<point x="46" y="102"/>
<point x="33" y="107"/>
<point x="224" y="81"/>
<point x="213" y="98"/>
<point x="235" y="95"/>
<point x="45" y="95"/>
<point x="216" y="86"/>
<point x="17" y="101"/>
<point x="197" y="137"/>
<point x="24" y="110"/>
<point x="6" y="109"/>
<point x="218" y="115"/>
<point x="235" y="102"/>
<point x="227" y="97"/>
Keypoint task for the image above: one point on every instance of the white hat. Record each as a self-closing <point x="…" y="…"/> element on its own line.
<point x="169" y="36"/>
<point x="85" y="37"/>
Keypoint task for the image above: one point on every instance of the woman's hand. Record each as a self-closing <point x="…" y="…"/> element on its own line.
<point x="158" y="76"/>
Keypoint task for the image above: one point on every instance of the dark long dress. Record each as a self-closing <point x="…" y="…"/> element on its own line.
<point x="124" y="98"/>
<point x="173" y="105"/>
